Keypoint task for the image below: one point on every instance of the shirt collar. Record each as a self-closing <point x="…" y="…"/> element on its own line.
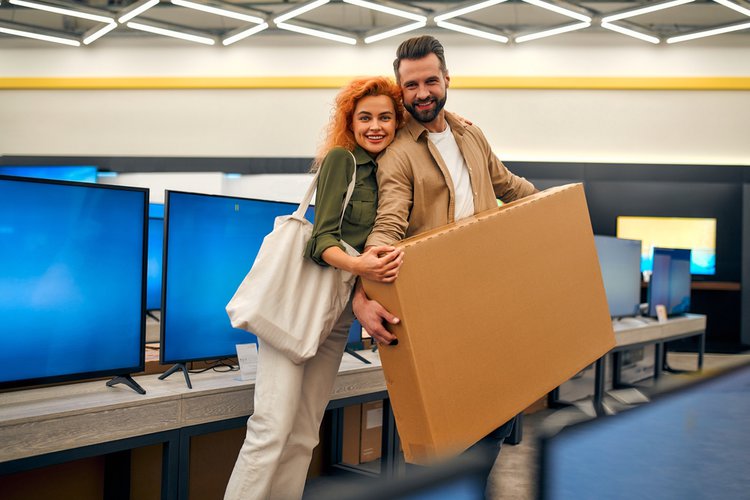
<point x="416" y="129"/>
<point x="361" y="156"/>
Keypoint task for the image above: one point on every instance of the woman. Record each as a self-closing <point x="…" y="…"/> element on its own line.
<point x="290" y="399"/>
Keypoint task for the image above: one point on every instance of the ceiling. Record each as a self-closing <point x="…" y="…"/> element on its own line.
<point x="356" y="22"/>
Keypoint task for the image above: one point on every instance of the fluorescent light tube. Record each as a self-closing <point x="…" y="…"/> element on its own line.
<point x="734" y="6"/>
<point x="299" y="11"/>
<point x="387" y="10"/>
<point x="39" y="36"/>
<point x="712" y="32"/>
<point x="396" y="31"/>
<point x="137" y="11"/>
<point x="60" y="10"/>
<point x="559" y="10"/>
<point x="474" y="32"/>
<point x="218" y="11"/>
<point x="318" y="33"/>
<point x="629" y="32"/>
<point x="467" y="10"/>
<point x="554" y="31"/>
<point x="645" y="10"/>
<point x="244" y="34"/>
<point x="171" y="33"/>
<point x="100" y="33"/>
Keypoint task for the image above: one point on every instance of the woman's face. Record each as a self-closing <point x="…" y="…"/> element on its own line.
<point x="374" y="123"/>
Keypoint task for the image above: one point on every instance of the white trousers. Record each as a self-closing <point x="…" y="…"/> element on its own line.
<point x="284" y="428"/>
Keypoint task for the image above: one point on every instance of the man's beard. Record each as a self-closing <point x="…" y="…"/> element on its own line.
<point x="428" y="115"/>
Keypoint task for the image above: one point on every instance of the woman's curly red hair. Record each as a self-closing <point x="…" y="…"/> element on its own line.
<point x="339" y="131"/>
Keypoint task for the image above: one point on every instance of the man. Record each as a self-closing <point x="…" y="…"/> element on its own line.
<point x="436" y="171"/>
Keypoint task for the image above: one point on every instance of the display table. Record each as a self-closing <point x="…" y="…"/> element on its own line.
<point x="641" y="332"/>
<point x="49" y="425"/>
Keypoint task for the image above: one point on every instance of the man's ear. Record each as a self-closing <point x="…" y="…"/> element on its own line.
<point x="447" y="78"/>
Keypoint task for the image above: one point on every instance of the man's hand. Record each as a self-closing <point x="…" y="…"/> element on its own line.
<point x="371" y="315"/>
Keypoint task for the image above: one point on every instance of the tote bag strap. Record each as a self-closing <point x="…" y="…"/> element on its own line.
<point x="300" y="212"/>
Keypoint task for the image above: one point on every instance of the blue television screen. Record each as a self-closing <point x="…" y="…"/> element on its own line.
<point x="155" y="251"/>
<point x="78" y="173"/>
<point x="691" y="443"/>
<point x="620" y="263"/>
<point x="72" y="280"/>
<point x="670" y="281"/>
<point x="211" y="244"/>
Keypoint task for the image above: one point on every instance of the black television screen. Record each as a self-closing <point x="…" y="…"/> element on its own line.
<point x="670" y="281"/>
<point x="690" y="443"/>
<point x="620" y="262"/>
<point x="211" y="243"/>
<point x="72" y="280"/>
<point x="77" y="173"/>
<point x="155" y="251"/>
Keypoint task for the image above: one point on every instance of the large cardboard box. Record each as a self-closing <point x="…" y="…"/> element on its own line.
<point x="496" y="310"/>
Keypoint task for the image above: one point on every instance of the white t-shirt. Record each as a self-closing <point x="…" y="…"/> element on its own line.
<point x="454" y="160"/>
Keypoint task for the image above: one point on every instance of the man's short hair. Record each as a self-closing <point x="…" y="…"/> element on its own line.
<point x="417" y="48"/>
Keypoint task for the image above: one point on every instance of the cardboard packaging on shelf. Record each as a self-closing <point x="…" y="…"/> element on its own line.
<point x="496" y="311"/>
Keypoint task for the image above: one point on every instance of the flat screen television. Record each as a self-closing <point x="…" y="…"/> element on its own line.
<point x="211" y="243"/>
<point x="155" y="252"/>
<point x="620" y="263"/>
<point x="77" y="173"/>
<point x="670" y="281"/>
<point x="688" y="443"/>
<point x="72" y="280"/>
<point x="696" y="234"/>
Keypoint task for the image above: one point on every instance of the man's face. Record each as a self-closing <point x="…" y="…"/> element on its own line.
<point x="424" y="87"/>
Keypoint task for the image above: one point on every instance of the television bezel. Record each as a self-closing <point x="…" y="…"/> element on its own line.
<point x="165" y="267"/>
<point x="652" y="307"/>
<point x="110" y="372"/>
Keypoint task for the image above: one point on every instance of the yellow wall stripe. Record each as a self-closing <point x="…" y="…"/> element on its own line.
<point x="327" y="82"/>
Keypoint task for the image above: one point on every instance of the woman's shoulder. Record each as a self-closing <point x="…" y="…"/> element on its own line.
<point x="338" y="154"/>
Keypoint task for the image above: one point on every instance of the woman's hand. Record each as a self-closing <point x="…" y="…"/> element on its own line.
<point x="379" y="263"/>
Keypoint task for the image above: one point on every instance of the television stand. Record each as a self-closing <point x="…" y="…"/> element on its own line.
<point x="127" y="380"/>
<point x="352" y="352"/>
<point x="178" y="367"/>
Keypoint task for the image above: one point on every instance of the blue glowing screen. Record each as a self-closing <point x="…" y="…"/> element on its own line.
<point x="76" y="173"/>
<point x="71" y="280"/>
<point x="155" y="251"/>
<point x="212" y="242"/>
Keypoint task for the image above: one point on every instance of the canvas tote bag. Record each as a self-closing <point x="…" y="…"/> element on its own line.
<point x="287" y="300"/>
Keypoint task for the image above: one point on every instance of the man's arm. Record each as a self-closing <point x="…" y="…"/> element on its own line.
<point x="371" y="315"/>
<point x="395" y="199"/>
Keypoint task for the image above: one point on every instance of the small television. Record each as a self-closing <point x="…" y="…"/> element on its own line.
<point x="211" y="244"/>
<point x="691" y="442"/>
<point x="72" y="280"/>
<point x="76" y="173"/>
<point x="695" y="234"/>
<point x="155" y="251"/>
<point x="669" y="284"/>
<point x="620" y="263"/>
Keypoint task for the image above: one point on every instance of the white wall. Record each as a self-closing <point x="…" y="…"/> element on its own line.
<point x="562" y="125"/>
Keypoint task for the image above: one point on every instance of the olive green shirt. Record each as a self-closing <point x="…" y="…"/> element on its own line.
<point x="359" y="216"/>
